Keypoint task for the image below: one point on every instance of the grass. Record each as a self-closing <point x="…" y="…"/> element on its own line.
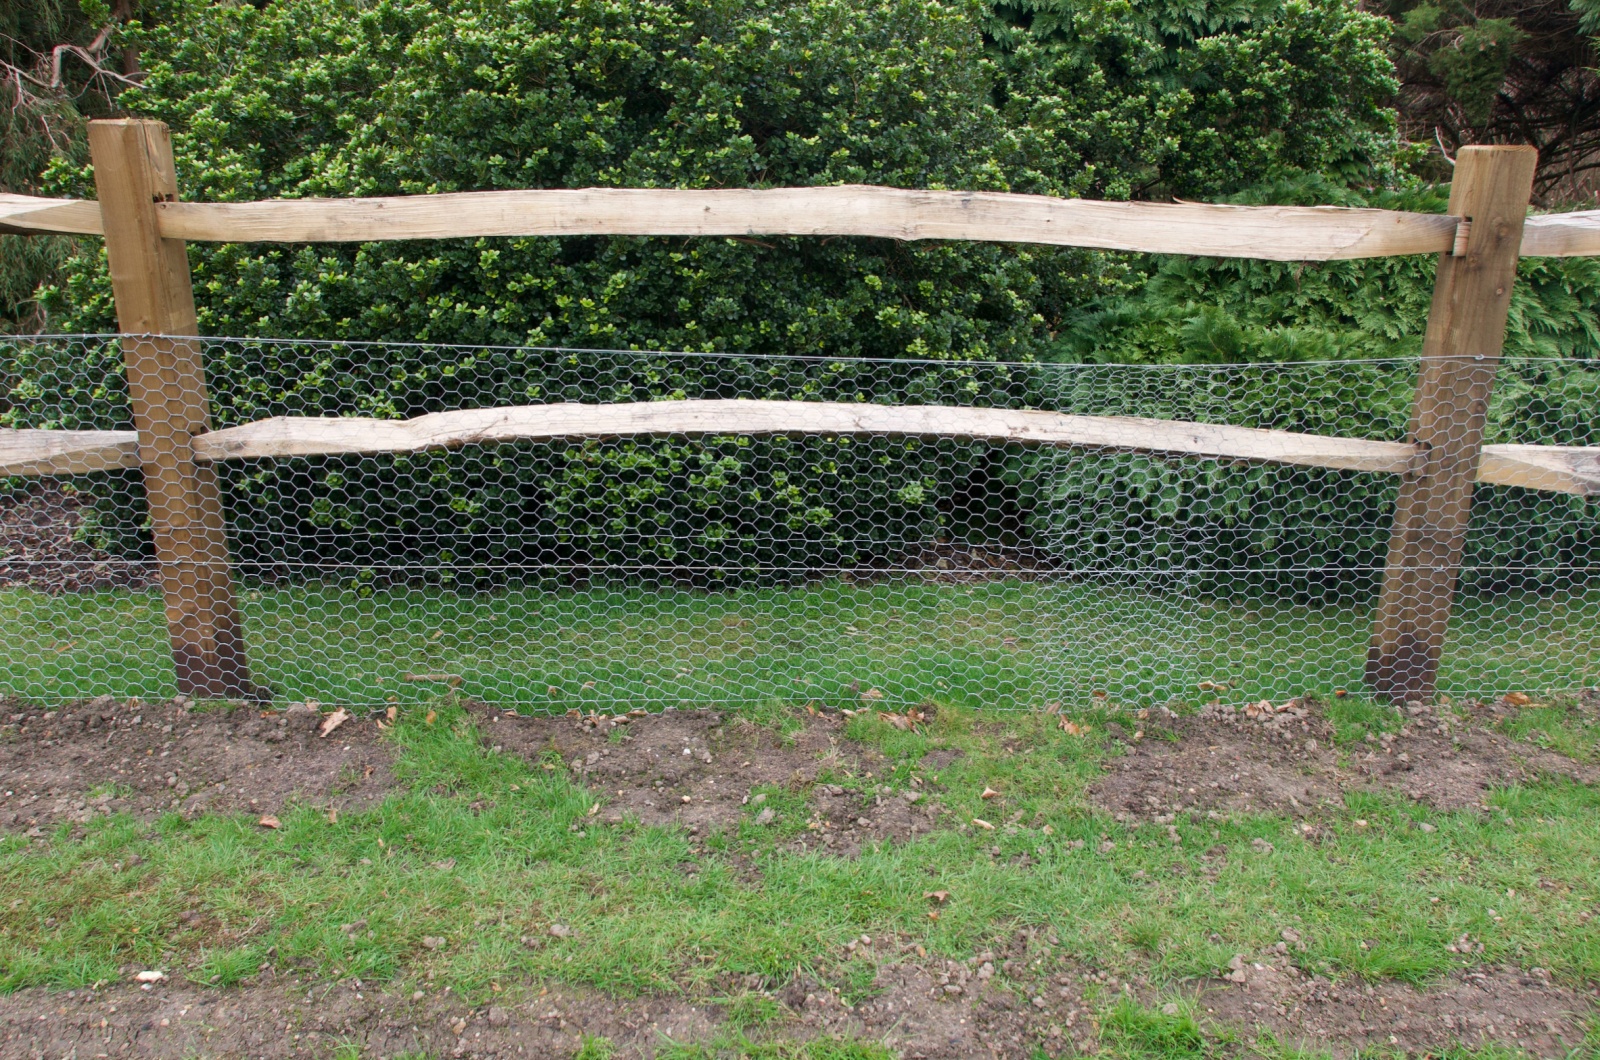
<point x="1002" y="644"/>
<point x="1381" y="900"/>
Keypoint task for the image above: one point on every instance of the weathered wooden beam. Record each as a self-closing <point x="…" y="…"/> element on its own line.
<point x="1460" y="352"/>
<point x="286" y="436"/>
<point x="44" y="452"/>
<point x="166" y="388"/>
<point x="27" y="215"/>
<point x="1562" y="235"/>
<point x="1289" y="233"/>
<point x="1559" y="469"/>
<point x="931" y="215"/>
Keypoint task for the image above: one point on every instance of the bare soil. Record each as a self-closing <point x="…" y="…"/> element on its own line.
<point x="103" y="757"/>
<point x="700" y="769"/>
<point x="40" y="547"/>
<point x="1503" y="1006"/>
<point x="995" y="1004"/>
<point x="1231" y="760"/>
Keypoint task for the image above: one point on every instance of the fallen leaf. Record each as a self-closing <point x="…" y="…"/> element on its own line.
<point x="561" y="931"/>
<point x="933" y="914"/>
<point x="1072" y="728"/>
<point x="552" y="690"/>
<point x="594" y="809"/>
<point x="588" y="684"/>
<point x="981" y="823"/>
<point x="1517" y="699"/>
<point x="269" y="821"/>
<point x="151" y="976"/>
<point x="432" y="714"/>
<point x="1340" y="693"/>
<point x="871" y="694"/>
<point x="333" y="721"/>
<point x="938" y="896"/>
<point x="433" y="942"/>
<point x="392" y="713"/>
<point x="989" y="793"/>
<point x="333" y="815"/>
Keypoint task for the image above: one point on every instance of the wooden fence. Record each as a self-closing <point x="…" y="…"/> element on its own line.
<point x="145" y="228"/>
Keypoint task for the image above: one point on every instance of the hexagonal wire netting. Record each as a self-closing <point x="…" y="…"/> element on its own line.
<point x="726" y="569"/>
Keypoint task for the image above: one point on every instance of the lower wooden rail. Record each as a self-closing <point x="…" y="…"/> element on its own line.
<point x="1563" y="469"/>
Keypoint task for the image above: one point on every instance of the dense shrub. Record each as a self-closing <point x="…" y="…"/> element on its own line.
<point x="1283" y="319"/>
<point x="1152" y="98"/>
<point x="331" y="97"/>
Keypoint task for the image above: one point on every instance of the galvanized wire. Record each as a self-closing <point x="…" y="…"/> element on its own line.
<point x="845" y="571"/>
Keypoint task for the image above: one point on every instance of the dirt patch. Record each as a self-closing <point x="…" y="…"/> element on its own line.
<point x="1488" y="1005"/>
<point x="1283" y="759"/>
<point x="701" y="770"/>
<point x="40" y="547"/>
<point x="103" y="757"/>
<point x="922" y="1008"/>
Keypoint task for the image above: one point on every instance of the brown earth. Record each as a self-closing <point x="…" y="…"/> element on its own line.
<point x="699" y="769"/>
<point x="40" y="547"/>
<point x="60" y="765"/>
<point x="996" y="1004"/>
<point x="1486" y="1005"/>
<point x="1269" y="759"/>
<point x="104" y="757"/>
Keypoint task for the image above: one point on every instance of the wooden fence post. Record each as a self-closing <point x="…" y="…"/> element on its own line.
<point x="1460" y="353"/>
<point x="133" y="171"/>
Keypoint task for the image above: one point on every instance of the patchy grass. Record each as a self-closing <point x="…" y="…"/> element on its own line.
<point x="1000" y="644"/>
<point x="459" y="877"/>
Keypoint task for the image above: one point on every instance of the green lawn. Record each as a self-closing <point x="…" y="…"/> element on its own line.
<point x="1373" y="893"/>
<point x="1000" y="644"/>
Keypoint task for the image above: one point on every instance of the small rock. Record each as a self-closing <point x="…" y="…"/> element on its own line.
<point x="498" y="1016"/>
<point x="1261" y="846"/>
<point x="434" y="942"/>
<point x="766" y="816"/>
<point x="561" y="931"/>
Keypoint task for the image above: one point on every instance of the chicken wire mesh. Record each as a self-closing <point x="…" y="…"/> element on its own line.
<point x="701" y="568"/>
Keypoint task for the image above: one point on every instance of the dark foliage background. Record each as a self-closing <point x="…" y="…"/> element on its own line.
<point x="1281" y="100"/>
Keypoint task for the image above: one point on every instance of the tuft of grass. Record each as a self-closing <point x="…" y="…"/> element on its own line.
<point x="1129" y="1029"/>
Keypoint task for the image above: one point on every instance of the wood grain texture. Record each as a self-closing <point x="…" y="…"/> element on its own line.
<point x="1554" y="468"/>
<point x="1559" y="469"/>
<point x="166" y="389"/>
<point x="1562" y="235"/>
<point x="1283" y="233"/>
<point x="1460" y="352"/>
<point x="28" y="215"/>
<point x="42" y="452"/>
<point x="1575" y="234"/>
<point x="286" y="436"/>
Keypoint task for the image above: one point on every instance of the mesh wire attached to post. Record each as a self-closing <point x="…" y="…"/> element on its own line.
<point x="612" y="569"/>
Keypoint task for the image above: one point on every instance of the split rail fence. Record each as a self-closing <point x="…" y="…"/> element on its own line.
<point x="145" y="228"/>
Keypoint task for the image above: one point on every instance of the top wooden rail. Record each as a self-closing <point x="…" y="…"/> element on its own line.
<point x="1274" y="233"/>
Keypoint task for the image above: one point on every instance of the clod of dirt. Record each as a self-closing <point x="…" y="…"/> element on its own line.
<point x="40" y="548"/>
<point x="696" y="769"/>
<point x="1525" y="1010"/>
<point x="1254" y="760"/>
<point x="104" y="756"/>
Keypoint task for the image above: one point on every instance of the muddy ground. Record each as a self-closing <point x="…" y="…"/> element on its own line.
<point x="700" y="769"/>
